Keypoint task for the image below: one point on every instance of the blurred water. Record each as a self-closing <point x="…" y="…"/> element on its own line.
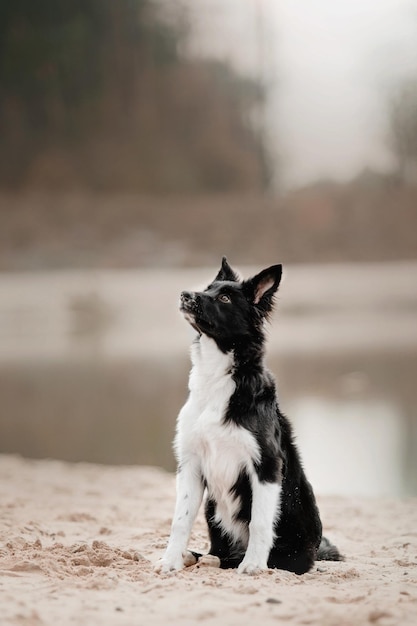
<point x="93" y="366"/>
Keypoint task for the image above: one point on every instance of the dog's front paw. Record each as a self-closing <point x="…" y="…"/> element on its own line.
<point x="251" y="567"/>
<point x="168" y="565"/>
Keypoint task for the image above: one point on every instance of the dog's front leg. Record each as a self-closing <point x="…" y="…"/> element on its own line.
<point x="265" y="511"/>
<point x="190" y="490"/>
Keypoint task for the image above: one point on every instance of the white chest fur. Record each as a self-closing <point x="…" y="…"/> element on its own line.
<point x="219" y="451"/>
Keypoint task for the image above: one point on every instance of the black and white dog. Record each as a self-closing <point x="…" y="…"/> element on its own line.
<point x="234" y="443"/>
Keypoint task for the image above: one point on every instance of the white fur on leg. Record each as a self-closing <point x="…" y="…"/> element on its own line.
<point x="189" y="495"/>
<point x="265" y="511"/>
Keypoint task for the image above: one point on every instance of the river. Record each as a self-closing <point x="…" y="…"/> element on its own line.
<point x="93" y="367"/>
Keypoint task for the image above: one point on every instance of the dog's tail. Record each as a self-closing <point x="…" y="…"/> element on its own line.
<point x="328" y="552"/>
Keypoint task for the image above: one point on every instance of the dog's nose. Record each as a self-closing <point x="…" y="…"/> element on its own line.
<point x="186" y="296"/>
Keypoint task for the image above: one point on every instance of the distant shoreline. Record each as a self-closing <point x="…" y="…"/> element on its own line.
<point x="117" y="314"/>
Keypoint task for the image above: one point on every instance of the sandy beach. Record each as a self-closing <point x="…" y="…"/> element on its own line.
<point x="78" y="543"/>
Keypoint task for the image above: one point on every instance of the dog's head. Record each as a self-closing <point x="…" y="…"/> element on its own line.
<point x="230" y="310"/>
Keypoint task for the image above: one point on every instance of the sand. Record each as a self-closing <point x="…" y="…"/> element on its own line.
<point x="78" y="543"/>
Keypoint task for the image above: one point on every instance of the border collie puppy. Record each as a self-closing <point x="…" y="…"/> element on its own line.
<point x="233" y="442"/>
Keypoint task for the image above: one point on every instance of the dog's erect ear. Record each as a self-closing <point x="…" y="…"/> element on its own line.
<point x="262" y="287"/>
<point x="226" y="272"/>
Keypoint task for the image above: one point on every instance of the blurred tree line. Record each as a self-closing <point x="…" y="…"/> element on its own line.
<point x="402" y="130"/>
<point x="99" y="94"/>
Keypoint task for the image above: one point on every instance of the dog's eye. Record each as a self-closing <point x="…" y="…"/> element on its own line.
<point x="223" y="297"/>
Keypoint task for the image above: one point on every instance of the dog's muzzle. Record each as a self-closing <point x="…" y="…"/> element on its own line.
<point x="189" y="306"/>
<point x="188" y="301"/>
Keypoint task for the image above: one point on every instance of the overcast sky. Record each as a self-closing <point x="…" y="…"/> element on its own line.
<point x="331" y="64"/>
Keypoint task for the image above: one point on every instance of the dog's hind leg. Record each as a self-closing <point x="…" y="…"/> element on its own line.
<point x="224" y="552"/>
<point x="191" y="558"/>
<point x="209" y="560"/>
<point x="292" y="560"/>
